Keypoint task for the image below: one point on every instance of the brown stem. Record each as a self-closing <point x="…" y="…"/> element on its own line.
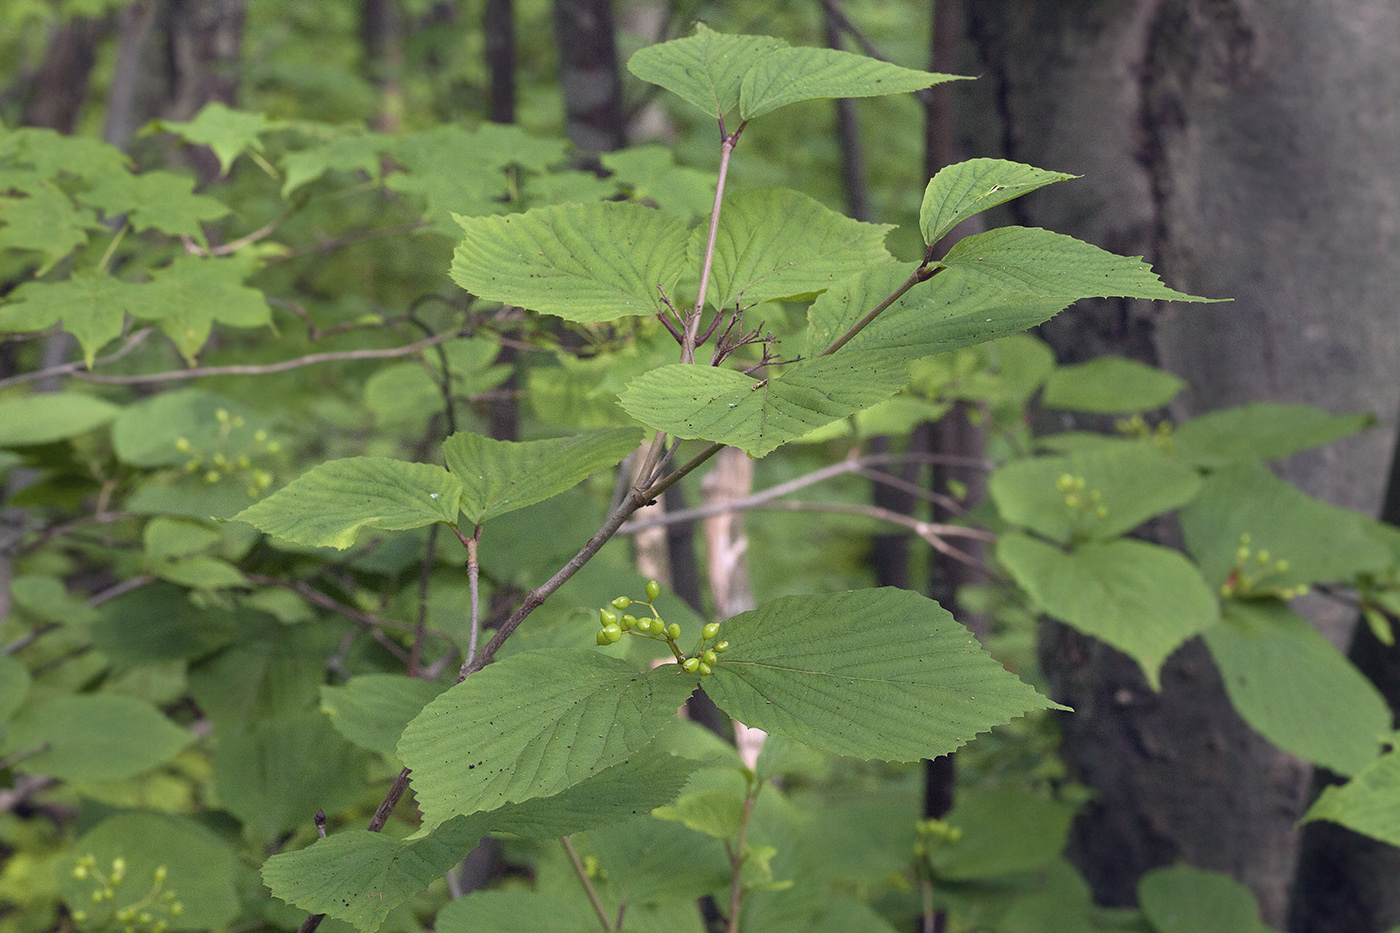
<point x="921" y="274"/>
<point x="587" y="884"/>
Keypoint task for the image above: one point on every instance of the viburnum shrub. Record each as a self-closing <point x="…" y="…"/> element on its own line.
<point x="772" y="321"/>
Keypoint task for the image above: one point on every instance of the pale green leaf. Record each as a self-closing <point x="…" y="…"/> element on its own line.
<point x="581" y="262"/>
<point x="189" y="295"/>
<point x="371" y="710"/>
<point x="44" y="220"/>
<point x="1110" y="384"/>
<point x="777" y="243"/>
<point x="166" y="538"/>
<point x="157" y="200"/>
<point x="706" y="69"/>
<point x="869" y="673"/>
<point x="949" y="311"/>
<point x="787" y="75"/>
<point x="94" y="737"/>
<point x="712" y="812"/>
<point x="91" y="306"/>
<point x="1052" y="265"/>
<point x="278" y="773"/>
<point x="532" y="725"/>
<point x="201" y="572"/>
<point x="1142" y="599"/>
<point x="513" y="911"/>
<point x="47" y="598"/>
<point x="14" y="685"/>
<point x="359" y="876"/>
<point x="651" y="174"/>
<point x="966" y="189"/>
<point x="148" y="432"/>
<point x="329" y="504"/>
<point x="357" y="152"/>
<point x="1005" y="830"/>
<point x="759" y="415"/>
<point x="1130" y="481"/>
<point x="1368" y="804"/>
<point x="1184" y="899"/>
<point x="227" y="132"/>
<point x="200" y="868"/>
<point x="501" y="476"/>
<point x="46" y="417"/>
<point x="1314" y="540"/>
<point x="1295" y="689"/>
<point x="1261" y="431"/>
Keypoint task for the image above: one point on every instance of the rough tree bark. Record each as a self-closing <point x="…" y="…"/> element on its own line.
<point x="1247" y="149"/>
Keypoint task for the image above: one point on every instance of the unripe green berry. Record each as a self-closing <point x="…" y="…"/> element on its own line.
<point x="622" y="602"/>
<point x="709" y="631"/>
<point x="607" y="617"/>
<point x="721" y="647"/>
<point x="613" y="633"/>
<point x="709" y="657"/>
<point x="653" y="589"/>
<point x="704" y="668"/>
<point x="644" y="626"/>
<point x="673" y="631"/>
<point x="628" y="621"/>
<point x="602" y="637"/>
<point x="691" y="665"/>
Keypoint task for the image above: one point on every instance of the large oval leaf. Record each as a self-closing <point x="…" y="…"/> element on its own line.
<point x="530" y="726"/>
<point x="968" y="188"/>
<point x="881" y="673"/>
<point x="581" y="262"/>
<point x="786" y="76"/>
<point x="94" y="738"/>
<point x="51" y="416"/>
<point x="706" y="69"/>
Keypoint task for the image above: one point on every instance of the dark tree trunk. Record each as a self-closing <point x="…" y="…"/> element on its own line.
<point x="203" y="52"/>
<point x="61" y="84"/>
<point x="498" y="24"/>
<point x="583" y="30"/>
<point x="381" y="35"/>
<point x="1247" y="150"/>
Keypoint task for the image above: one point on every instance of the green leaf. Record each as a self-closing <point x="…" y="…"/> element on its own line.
<point x="649" y="777"/>
<point x="46" y="221"/>
<point x="649" y="859"/>
<point x="201" y="870"/>
<point x="158" y="622"/>
<point x="345" y="152"/>
<point x="359" y="876"/>
<point x="94" y="737"/>
<point x="1004" y="831"/>
<point x="1038" y="262"/>
<point x="201" y="572"/>
<point x="147" y="433"/>
<point x="14" y="686"/>
<point x="227" y="132"/>
<point x="272" y="669"/>
<point x="706" y="69"/>
<point x="966" y="189"/>
<point x="1368" y="804"/>
<point x="1110" y="384"/>
<point x="47" y="598"/>
<point x="652" y="175"/>
<point x="788" y="75"/>
<point x="166" y="538"/>
<point x="276" y="775"/>
<point x="949" y="311"/>
<point x="1262" y="431"/>
<point x="712" y="812"/>
<point x="1130" y="480"/>
<point x="1183" y="899"/>
<point x="189" y="295"/>
<point x="512" y="911"/>
<point x="371" y="710"/>
<point x="155" y="200"/>
<point x="410" y="392"/>
<point x="1142" y="599"/>
<point x="777" y="243"/>
<point x="532" y="725"/>
<point x="329" y="504"/>
<point x="581" y="262"/>
<point x="1316" y="541"/>
<point x="42" y="418"/>
<point x="869" y="673"/>
<point x="759" y="415"/>
<point x="1295" y="689"/>
<point x="501" y="476"/>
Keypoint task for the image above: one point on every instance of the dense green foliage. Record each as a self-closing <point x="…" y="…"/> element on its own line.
<point x="235" y="603"/>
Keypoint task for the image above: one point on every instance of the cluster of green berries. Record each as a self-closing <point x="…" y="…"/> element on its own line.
<point x="934" y="834"/>
<point x="615" y="621"/>
<point x="151" y="914"/>
<point x="1085" y="502"/>
<point x="1137" y="426"/>
<point x="1251" y="573"/>
<point x="225" y="461"/>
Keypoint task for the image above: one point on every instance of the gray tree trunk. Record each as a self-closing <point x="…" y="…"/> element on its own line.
<point x="1248" y="150"/>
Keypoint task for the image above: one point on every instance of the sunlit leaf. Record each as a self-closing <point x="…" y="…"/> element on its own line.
<point x="968" y="188"/>
<point x="93" y="737"/>
<point x="46" y="417"/>
<point x="706" y="69"/>
<point x="1368" y="804"/>
<point x="1185" y="899"/>
<point x="787" y="75"/>
<point x="1110" y="384"/>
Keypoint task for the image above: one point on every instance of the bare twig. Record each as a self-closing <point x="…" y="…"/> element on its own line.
<point x="587" y="884"/>
<point x="727" y="143"/>
<point x="132" y="342"/>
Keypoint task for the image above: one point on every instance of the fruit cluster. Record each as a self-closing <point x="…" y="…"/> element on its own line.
<point x="613" y="626"/>
<point x="151" y="914"/>
<point x="1252" y="572"/>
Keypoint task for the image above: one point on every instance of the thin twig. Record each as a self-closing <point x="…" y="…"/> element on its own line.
<point x="197" y="372"/>
<point x="692" y="327"/>
<point x="63" y="369"/>
<point x="587" y="884"/>
<point x="921" y="274"/>
<point x="931" y="532"/>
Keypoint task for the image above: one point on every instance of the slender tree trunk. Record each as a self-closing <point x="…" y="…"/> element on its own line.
<point x="124" y="110"/>
<point x="381" y="35"/>
<point x="588" y="71"/>
<point x="498" y="25"/>
<point x="61" y="84"/>
<point x="1248" y="151"/>
<point x="203" y="52"/>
